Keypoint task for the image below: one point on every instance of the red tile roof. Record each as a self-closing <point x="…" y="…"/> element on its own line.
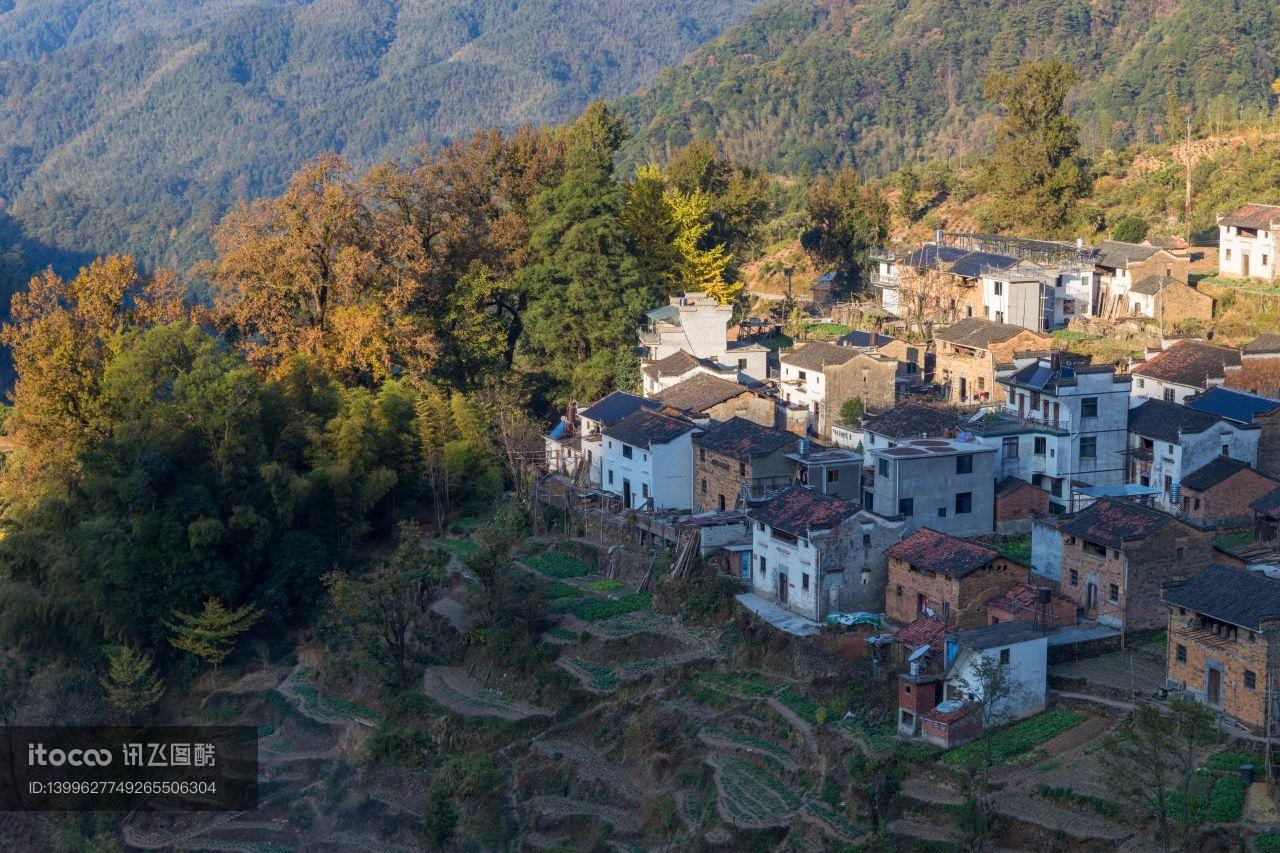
<point x="799" y="510"/>
<point x="1191" y="363"/>
<point x="929" y="549"/>
<point x="923" y="632"/>
<point x="1111" y="522"/>
<point x="1253" y="216"/>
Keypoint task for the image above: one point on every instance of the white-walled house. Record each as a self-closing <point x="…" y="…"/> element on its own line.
<point x="1023" y="647"/>
<point x="699" y="325"/>
<point x="576" y="440"/>
<point x="1247" y="242"/>
<point x="1182" y="369"/>
<point x="647" y="458"/>
<point x="1168" y="441"/>
<point x="815" y="554"/>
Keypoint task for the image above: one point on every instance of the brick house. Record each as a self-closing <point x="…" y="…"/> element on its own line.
<point x="1159" y="297"/>
<point x="1251" y="410"/>
<point x="1266" y="518"/>
<point x="737" y="459"/>
<point x="814" y="554"/>
<point x="1259" y="369"/>
<point x="702" y="397"/>
<point x="933" y="573"/>
<point x="820" y="377"/>
<point x="1220" y="494"/>
<point x="1247" y="242"/>
<point x="1133" y="275"/>
<point x="1224" y="639"/>
<point x="969" y="351"/>
<point x="1184" y="369"/>
<point x="1115" y="556"/>
<point x="1016" y="501"/>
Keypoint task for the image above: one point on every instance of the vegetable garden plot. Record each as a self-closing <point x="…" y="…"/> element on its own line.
<point x="750" y="797"/>
<point x="460" y="693"/>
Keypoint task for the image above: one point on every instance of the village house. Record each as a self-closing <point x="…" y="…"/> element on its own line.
<point x="915" y="362"/>
<point x="1133" y="279"/>
<point x="933" y="574"/>
<point x="576" y="439"/>
<point x="739" y="460"/>
<point x="1183" y="369"/>
<point x="1259" y="369"/>
<point x="1168" y="442"/>
<point x="1224" y="640"/>
<point x="704" y="398"/>
<point x="833" y="471"/>
<point x="970" y="351"/>
<point x="1220" y="494"/>
<point x="698" y="324"/>
<point x="1036" y="602"/>
<point x="1062" y="426"/>
<point x="1248" y="410"/>
<point x="940" y="702"/>
<point x="1247" y="242"/>
<point x="1115" y="555"/>
<point x="1016" y="503"/>
<point x="820" y="377"/>
<point x="943" y="484"/>
<point x="648" y="459"/>
<point x="657" y="376"/>
<point x="1266" y="518"/>
<point x="965" y="295"/>
<point x="907" y="421"/>
<point x="815" y="555"/>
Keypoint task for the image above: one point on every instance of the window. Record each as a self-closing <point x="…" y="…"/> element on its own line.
<point x="1168" y="395"/>
<point x="1264" y="260"/>
<point x="942" y="512"/>
<point x="742" y="469"/>
<point x="1041" y="445"/>
<point x="898" y="591"/>
<point x="760" y="526"/>
<point x="1010" y="447"/>
<point x="804" y="582"/>
<point x="833" y="475"/>
<point x="644" y="490"/>
<point x="1091" y="548"/>
<point x="803" y="376"/>
<point x="610" y="476"/>
<point x="1113" y="593"/>
<point x="964" y="464"/>
<point x="742" y="364"/>
<point x="997" y="288"/>
<point x="1251" y="677"/>
<point x="866" y="539"/>
<point x="1075" y="578"/>
<point x="1142" y="383"/>
<point x="1004" y="657"/>
<point x="964" y="503"/>
<point x="884" y="467"/>
<point x="1228" y="254"/>
<point x="906" y="506"/>
<point x="1178" y="554"/>
<point x="702" y="454"/>
<point x="1226" y="450"/>
<point x="1089" y="447"/>
<point x="762" y="567"/>
<point x="704" y="485"/>
<point x="1089" y="407"/>
<point x="627" y="452"/>
<point x="1181" y="653"/>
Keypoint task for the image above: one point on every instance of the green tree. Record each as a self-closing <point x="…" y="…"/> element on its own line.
<point x="851" y="410"/>
<point x="702" y="269"/>
<point x="908" y="188"/>
<point x="1129" y="229"/>
<point x="652" y="229"/>
<point x="846" y="219"/>
<point x="1036" y="174"/>
<point x="439" y="818"/>
<point x="211" y="634"/>
<point x="132" y="687"/>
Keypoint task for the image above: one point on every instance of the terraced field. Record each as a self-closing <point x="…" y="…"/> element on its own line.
<point x="457" y="691"/>
<point x="750" y="797"/>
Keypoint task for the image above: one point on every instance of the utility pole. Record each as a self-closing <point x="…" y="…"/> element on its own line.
<point x="1188" y="207"/>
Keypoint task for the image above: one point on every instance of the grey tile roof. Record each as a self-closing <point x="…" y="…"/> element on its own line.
<point x="1267" y="342"/>
<point x="818" y="354"/>
<point x="1213" y="473"/>
<point x="1268" y="504"/>
<point x="977" y="332"/>
<point x="645" y="429"/>
<point x="974" y="264"/>
<point x="741" y="439"/>
<point x="1168" y="421"/>
<point x="1112" y="523"/>
<point x="1117" y="255"/>
<point x="616" y="406"/>
<point x="799" y="510"/>
<point x="1000" y="634"/>
<point x="913" y="420"/>
<point x="699" y="393"/>
<point x="930" y="549"/>
<point x="1191" y="363"/>
<point x="1253" y="216"/>
<point x="1152" y="284"/>
<point x="676" y="364"/>
<point x="1235" y="596"/>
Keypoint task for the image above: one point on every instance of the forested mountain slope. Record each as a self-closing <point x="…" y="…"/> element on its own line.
<point x="132" y="124"/>
<point x="810" y="84"/>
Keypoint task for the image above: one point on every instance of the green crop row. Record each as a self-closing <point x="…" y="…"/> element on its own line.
<point x="1018" y="739"/>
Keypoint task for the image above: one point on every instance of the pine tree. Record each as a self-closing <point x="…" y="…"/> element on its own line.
<point x="647" y="216"/>
<point x="131" y="685"/>
<point x="211" y="634"/>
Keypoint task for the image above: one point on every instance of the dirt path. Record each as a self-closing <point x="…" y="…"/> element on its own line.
<point x="561" y="807"/>
<point x="1075" y="824"/>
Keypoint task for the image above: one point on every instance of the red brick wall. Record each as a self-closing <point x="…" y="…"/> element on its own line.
<point x="961" y="600"/>
<point x="1235" y="656"/>
<point x="923" y="697"/>
<point x="1228" y="501"/>
<point x="1019" y="503"/>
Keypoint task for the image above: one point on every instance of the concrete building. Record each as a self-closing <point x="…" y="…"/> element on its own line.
<point x="1062" y="424"/>
<point x="697" y="324"/>
<point x="1115" y="555"/>
<point x="737" y="461"/>
<point x="969" y="352"/>
<point x="816" y="555"/>
<point x="647" y="458"/>
<point x="942" y="577"/>
<point x="1224" y="640"/>
<point x="1181" y="370"/>
<point x="939" y="483"/>
<point x="1036" y="296"/>
<point x="1247" y="242"/>
<point x="1167" y="442"/>
<point x="835" y="472"/>
<point x="821" y="377"/>
<point x="704" y="398"/>
<point x="1250" y="410"/>
<point x="1221" y="493"/>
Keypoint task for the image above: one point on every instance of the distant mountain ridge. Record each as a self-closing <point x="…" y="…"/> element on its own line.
<point x="805" y="85"/>
<point x="133" y="124"/>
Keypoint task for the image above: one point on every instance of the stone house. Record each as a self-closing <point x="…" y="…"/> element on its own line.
<point x="1167" y="442"/>
<point x="821" y="377"/>
<point x="1132" y="276"/>
<point x="648" y="459"/>
<point x="1247" y="242"/>
<point x="915" y="362"/>
<point x="739" y="460"/>
<point x="1259" y="369"/>
<point x="944" y="484"/>
<point x="969" y="351"/>
<point x="1224" y="640"/>
<point x="1248" y="410"/>
<point x="1169" y="301"/>
<point x="1016" y="502"/>
<point x="933" y="574"/>
<point x="815" y="555"/>
<point x="705" y="398"/>
<point x="699" y="325"/>
<point x="1220" y="494"/>
<point x="1115" y="556"/>
<point x="1183" y="369"/>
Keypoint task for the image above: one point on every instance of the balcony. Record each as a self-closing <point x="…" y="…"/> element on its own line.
<point x="884" y="282"/>
<point x="648" y="337"/>
<point x="1005" y="422"/>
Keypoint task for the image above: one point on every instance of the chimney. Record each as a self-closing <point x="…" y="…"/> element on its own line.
<point x="937" y="237"/>
<point x="571" y="418"/>
<point x="873" y="338"/>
